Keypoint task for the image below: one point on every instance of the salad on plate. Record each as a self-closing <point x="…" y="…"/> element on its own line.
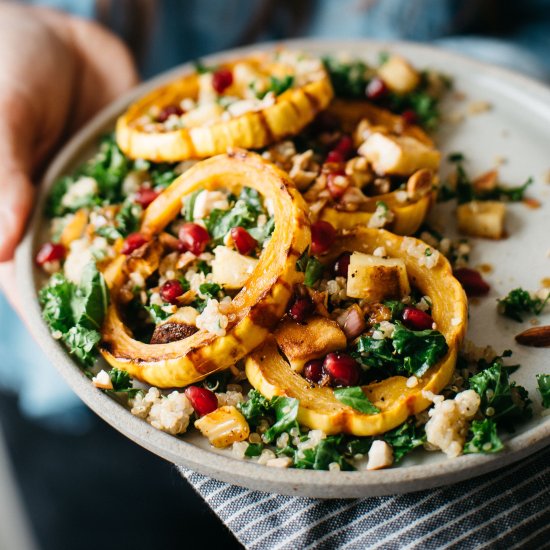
<point x="249" y="255"/>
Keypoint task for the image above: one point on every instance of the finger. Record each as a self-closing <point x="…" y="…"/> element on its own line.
<point x="16" y="189"/>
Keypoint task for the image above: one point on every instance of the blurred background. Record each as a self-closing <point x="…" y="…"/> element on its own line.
<point x="67" y="480"/>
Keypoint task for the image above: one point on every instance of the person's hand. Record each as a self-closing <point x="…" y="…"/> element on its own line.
<point x="56" y="71"/>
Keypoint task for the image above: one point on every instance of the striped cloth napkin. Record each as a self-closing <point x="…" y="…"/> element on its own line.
<point x="506" y="509"/>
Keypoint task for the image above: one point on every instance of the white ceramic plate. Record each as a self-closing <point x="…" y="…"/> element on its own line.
<point x="516" y="128"/>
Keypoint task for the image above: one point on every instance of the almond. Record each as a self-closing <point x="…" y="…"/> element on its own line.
<point x="538" y="337"/>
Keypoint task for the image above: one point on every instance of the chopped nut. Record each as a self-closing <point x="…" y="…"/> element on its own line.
<point x="538" y="337"/>
<point x="419" y="184"/>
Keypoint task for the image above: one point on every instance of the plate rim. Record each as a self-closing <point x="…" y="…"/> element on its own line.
<point x="222" y="467"/>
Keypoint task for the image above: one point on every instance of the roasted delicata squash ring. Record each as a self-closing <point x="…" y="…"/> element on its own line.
<point x="408" y="214"/>
<point x="209" y="128"/>
<point x="271" y="375"/>
<point x="257" y="307"/>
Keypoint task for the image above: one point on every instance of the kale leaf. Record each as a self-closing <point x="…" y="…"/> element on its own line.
<point x="519" y="301"/>
<point x="82" y="342"/>
<point x="464" y="191"/>
<point x="156" y="313"/>
<point x="543" y="382"/>
<point x="349" y="79"/>
<point x="484" y="437"/>
<point x="210" y="289"/>
<point x="408" y="351"/>
<point x="314" y="271"/>
<point x="76" y="311"/>
<point x="286" y="414"/>
<point x="90" y="299"/>
<point x="255" y="407"/>
<point x="122" y="383"/>
<point x="220" y="222"/>
<point x="328" y="451"/>
<point x="506" y="401"/>
<point x="356" y="398"/>
<point x="55" y="299"/>
<point x="404" y="439"/>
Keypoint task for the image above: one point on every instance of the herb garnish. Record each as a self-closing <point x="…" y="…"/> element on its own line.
<point x="408" y="351"/>
<point x="76" y="311"/>
<point x="519" y="301"/>
<point x="543" y="382"/>
<point x="484" y="437"/>
<point x="356" y="398"/>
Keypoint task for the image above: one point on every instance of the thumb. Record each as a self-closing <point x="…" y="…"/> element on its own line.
<point x="16" y="199"/>
<point x="16" y="189"/>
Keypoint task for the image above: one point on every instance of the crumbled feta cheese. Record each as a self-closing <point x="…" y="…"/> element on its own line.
<point x="425" y="255"/>
<point x="137" y="279"/>
<point x="380" y="455"/>
<point x="212" y="320"/>
<point x="76" y="193"/>
<point x="379" y="252"/>
<point x="102" y="380"/>
<point x="171" y="414"/>
<point x="401" y="196"/>
<point x="57" y="335"/>
<point x="141" y="404"/>
<point x="334" y="467"/>
<point x="424" y="304"/>
<point x="206" y="201"/>
<point x="132" y="182"/>
<point x="381" y="217"/>
<point x="449" y="422"/>
<point x="243" y="106"/>
<point x="412" y="382"/>
<point x="78" y="257"/>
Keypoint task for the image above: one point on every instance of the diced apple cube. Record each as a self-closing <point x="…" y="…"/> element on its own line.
<point x="398" y="155"/>
<point x="380" y="455"/>
<point x="231" y="269"/>
<point x="399" y="75"/>
<point x="317" y="337"/>
<point x="482" y="219"/>
<point x="376" y="279"/>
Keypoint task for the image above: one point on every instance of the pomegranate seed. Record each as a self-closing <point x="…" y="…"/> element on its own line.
<point x="168" y="111"/>
<point x="417" y="319"/>
<point x="171" y="290"/>
<point x="145" y="196"/>
<point x="409" y="116"/>
<point x="322" y="237"/>
<point x="335" y="157"/>
<point x="337" y="187"/>
<point x="221" y="80"/>
<point x="50" y="252"/>
<point x="376" y="89"/>
<point x="472" y="281"/>
<point x="300" y="309"/>
<point x="313" y="370"/>
<point x="202" y="400"/>
<point x="243" y="240"/>
<point x="345" y="146"/>
<point x="341" y="265"/>
<point x="133" y="242"/>
<point x="342" y="369"/>
<point x="193" y="237"/>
